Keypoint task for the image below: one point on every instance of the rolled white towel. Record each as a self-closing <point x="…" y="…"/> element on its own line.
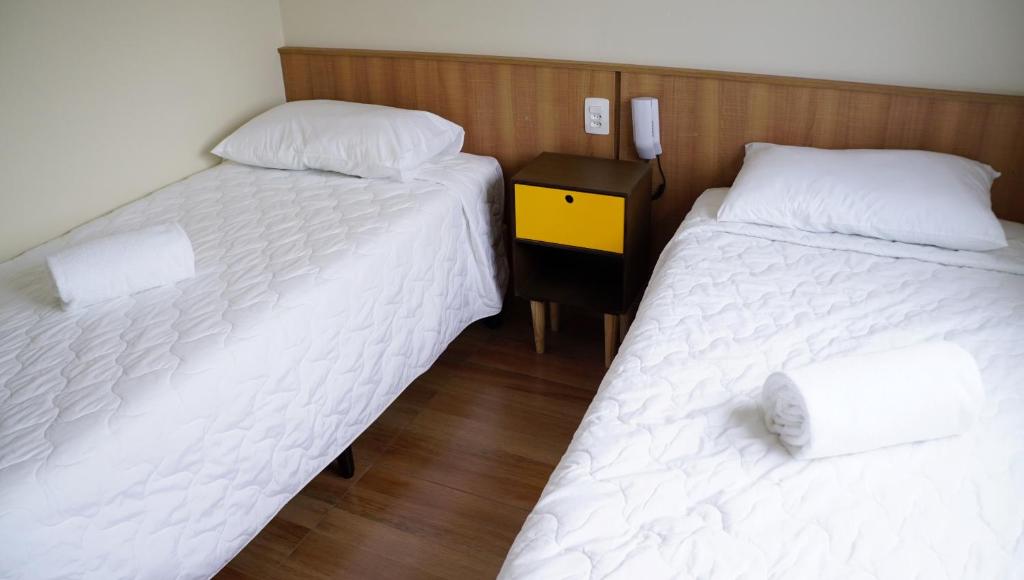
<point x="122" y="264"/>
<point x="863" y="402"/>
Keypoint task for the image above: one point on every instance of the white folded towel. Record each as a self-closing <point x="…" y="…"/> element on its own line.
<point x="122" y="264"/>
<point x="864" y="402"/>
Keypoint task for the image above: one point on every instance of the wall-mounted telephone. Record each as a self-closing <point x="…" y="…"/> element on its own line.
<point x="647" y="134"/>
<point x="646" y="130"/>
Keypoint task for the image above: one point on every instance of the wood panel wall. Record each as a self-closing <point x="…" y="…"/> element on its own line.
<point x="511" y="109"/>
<point x="515" y="108"/>
<point x="706" y="120"/>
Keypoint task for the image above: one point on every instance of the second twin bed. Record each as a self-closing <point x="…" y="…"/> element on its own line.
<point x="673" y="473"/>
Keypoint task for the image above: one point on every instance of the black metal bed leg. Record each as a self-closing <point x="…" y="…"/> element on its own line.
<point x="345" y="464"/>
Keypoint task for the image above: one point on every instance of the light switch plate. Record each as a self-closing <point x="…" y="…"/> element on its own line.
<point x="596" y="119"/>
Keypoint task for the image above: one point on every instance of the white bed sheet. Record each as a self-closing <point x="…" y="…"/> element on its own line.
<point x="153" y="436"/>
<point x="672" y="473"/>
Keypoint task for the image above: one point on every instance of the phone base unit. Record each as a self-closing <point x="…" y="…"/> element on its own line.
<point x="581" y="228"/>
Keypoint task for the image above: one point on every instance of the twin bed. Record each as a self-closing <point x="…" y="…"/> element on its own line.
<point x="154" y="435"/>
<point x="673" y="474"/>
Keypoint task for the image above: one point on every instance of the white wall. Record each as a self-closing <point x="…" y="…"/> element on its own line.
<point x="103" y="101"/>
<point x="955" y="44"/>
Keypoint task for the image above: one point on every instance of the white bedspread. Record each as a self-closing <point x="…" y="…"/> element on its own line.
<point x="672" y="473"/>
<point x="154" y="435"/>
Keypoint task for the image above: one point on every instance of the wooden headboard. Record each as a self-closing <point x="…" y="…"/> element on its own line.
<point x="710" y="116"/>
<point x="511" y="109"/>
<point x="515" y="108"/>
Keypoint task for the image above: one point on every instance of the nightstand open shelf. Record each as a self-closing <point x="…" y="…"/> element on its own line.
<point x="580" y="229"/>
<point x="591" y="280"/>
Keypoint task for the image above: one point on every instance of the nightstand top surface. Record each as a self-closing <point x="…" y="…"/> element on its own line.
<point x="577" y="172"/>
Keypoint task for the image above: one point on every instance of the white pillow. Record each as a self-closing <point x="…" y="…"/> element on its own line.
<point x="350" y="138"/>
<point x="916" y="197"/>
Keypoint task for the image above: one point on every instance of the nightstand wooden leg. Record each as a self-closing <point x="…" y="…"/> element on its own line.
<point x="611" y="337"/>
<point x="537" y="309"/>
<point x="553" y="307"/>
<point x="624" y="321"/>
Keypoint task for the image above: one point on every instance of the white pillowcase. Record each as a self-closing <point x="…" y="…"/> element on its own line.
<point x="350" y="138"/>
<point x="916" y="197"/>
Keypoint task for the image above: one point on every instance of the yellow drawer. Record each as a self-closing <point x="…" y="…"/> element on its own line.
<point x="570" y="218"/>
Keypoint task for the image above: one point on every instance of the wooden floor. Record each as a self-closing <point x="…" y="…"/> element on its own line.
<point x="446" y="476"/>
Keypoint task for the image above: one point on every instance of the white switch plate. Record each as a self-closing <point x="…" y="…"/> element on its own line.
<point x="596" y="119"/>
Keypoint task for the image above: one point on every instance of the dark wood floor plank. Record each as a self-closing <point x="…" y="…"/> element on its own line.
<point x="348" y="530"/>
<point x="304" y="510"/>
<point x="322" y="557"/>
<point x="505" y="477"/>
<point x="231" y="573"/>
<point x="446" y="476"/>
<point x="572" y="366"/>
<point x="535" y="392"/>
<point x="273" y="544"/>
<point x="472" y="525"/>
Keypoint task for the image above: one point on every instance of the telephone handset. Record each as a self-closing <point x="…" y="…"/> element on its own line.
<point x="647" y="134"/>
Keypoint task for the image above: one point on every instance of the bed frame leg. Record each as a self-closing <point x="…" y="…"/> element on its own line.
<point x="345" y="464"/>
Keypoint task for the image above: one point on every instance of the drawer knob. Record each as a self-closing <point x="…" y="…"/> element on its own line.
<point x="569" y="199"/>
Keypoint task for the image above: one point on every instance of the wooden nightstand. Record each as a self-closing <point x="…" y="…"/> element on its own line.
<point x="581" y="228"/>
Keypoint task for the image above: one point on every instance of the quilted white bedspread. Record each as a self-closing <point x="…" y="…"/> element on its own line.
<point x="153" y="436"/>
<point x="672" y="473"/>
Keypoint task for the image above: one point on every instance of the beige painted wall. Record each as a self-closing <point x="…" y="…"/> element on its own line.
<point x="956" y="44"/>
<point x="103" y="101"/>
